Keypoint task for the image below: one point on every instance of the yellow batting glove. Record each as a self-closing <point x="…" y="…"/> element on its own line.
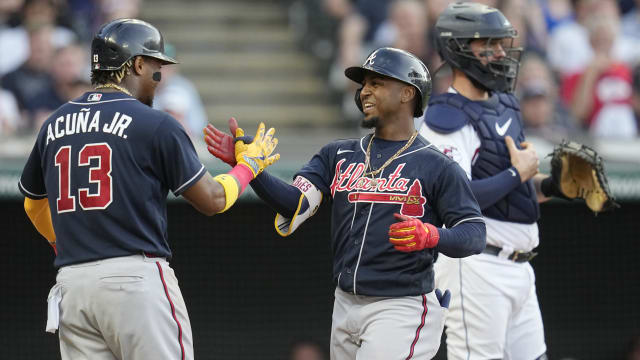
<point x="257" y="155"/>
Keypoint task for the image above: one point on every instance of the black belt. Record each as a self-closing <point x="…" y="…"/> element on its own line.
<point x="517" y="256"/>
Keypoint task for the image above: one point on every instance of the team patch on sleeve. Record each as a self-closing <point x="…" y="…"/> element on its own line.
<point x="451" y="152"/>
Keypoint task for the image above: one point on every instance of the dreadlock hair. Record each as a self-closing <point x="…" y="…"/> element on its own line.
<point x="99" y="77"/>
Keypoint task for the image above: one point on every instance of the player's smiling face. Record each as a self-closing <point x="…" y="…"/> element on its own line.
<point x="380" y="96"/>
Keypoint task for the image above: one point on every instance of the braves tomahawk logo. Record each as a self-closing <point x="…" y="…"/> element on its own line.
<point x="391" y="190"/>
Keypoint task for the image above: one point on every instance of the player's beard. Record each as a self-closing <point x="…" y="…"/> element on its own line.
<point x="370" y="123"/>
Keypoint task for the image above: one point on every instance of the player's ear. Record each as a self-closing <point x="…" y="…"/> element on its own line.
<point x="138" y="64"/>
<point x="408" y="93"/>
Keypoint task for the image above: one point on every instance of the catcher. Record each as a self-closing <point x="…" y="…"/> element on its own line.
<point x="494" y="311"/>
<point x="577" y="172"/>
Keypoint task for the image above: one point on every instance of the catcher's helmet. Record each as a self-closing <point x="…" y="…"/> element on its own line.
<point x="397" y="64"/>
<point x="122" y="39"/>
<point x="461" y="23"/>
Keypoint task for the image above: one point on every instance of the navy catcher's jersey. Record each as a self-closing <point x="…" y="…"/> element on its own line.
<point x="106" y="163"/>
<point x="492" y="120"/>
<point x="421" y="182"/>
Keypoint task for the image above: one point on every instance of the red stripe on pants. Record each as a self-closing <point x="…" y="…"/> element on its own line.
<point x="173" y="309"/>
<point x="424" y="316"/>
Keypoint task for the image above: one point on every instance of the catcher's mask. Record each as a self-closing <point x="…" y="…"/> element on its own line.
<point x="397" y="64"/>
<point x="462" y="23"/>
<point x="120" y="40"/>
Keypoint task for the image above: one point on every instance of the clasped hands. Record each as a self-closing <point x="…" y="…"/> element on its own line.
<point x="254" y="153"/>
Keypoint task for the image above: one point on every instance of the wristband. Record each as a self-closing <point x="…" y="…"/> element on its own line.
<point x="229" y="181"/>
<point x="231" y="191"/>
<point x="243" y="174"/>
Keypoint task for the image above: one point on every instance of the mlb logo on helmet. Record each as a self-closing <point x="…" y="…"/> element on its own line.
<point x="94" y="97"/>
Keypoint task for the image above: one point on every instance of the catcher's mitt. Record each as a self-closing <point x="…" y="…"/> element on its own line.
<point x="577" y="171"/>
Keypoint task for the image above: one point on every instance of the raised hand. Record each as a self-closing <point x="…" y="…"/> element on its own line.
<point x="221" y="144"/>
<point x="411" y="234"/>
<point x="257" y="155"/>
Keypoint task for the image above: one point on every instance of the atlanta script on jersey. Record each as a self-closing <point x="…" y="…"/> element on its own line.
<point x="421" y="183"/>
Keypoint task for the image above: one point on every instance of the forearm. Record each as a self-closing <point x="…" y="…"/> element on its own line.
<point x="537" y="182"/>
<point x="213" y="195"/>
<point x="280" y="196"/>
<point x="40" y="216"/>
<point x="490" y="190"/>
<point x="463" y="240"/>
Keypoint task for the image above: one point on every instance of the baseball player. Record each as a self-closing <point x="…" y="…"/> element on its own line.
<point x="390" y="193"/>
<point x="96" y="183"/>
<point x="494" y="311"/>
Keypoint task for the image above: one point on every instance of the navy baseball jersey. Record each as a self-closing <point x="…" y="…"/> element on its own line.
<point x="421" y="183"/>
<point x="106" y="163"/>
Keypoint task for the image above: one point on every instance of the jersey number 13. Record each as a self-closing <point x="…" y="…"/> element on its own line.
<point x="100" y="175"/>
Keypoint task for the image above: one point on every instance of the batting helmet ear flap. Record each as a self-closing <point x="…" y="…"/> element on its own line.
<point x="357" y="99"/>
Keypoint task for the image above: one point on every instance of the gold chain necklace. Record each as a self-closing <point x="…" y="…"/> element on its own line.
<point x="114" y="86"/>
<point x="367" y="162"/>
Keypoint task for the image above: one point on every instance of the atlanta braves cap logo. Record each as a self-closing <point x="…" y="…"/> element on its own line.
<point x="369" y="60"/>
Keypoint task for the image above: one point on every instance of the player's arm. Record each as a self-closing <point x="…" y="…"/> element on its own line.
<point x="464" y="239"/>
<point x="461" y="146"/>
<point x="214" y="195"/>
<point x="294" y="203"/>
<point x="489" y="191"/>
<point x="280" y="196"/>
<point x="455" y="204"/>
<point x="36" y="204"/>
<point x="40" y="215"/>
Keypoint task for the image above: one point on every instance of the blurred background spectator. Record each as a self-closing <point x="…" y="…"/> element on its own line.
<point x="631" y="22"/>
<point x="569" y="48"/>
<point x="600" y="96"/>
<point x="543" y="114"/>
<point x="583" y="53"/>
<point x="9" y="113"/>
<point x="528" y="19"/>
<point x="556" y="12"/>
<point x="32" y="83"/>
<point x="15" y="45"/>
<point x="636" y="94"/>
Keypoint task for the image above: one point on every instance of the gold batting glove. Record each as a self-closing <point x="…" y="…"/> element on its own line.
<point x="257" y="155"/>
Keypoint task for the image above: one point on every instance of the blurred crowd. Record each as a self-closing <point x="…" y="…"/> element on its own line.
<point x="579" y="74"/>
<point x="580" y="65"/>
<point x="44" y="62"/>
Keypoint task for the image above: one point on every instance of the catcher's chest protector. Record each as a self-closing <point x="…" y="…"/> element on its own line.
<point x="493" y="120"/>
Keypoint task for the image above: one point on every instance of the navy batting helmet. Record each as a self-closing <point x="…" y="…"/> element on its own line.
<point x="120" y="40"/>
<point x="397" y="64"/>
<point x="461" y="23"/>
